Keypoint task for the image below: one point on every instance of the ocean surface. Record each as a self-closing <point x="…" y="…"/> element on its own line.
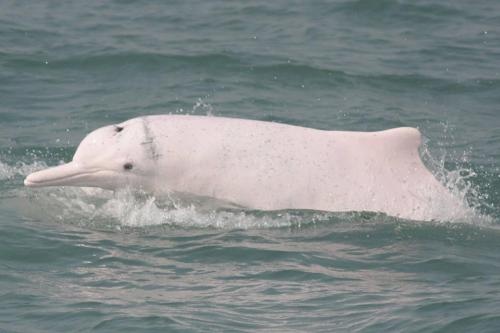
<point x="80" y="260"/>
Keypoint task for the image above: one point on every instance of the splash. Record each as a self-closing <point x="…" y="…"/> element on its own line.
<point x="460" y="182"/>
<point x="9" y="172"/>
<point x="200" y="107"/>
<point x="133" y="211"/>
<point x="91" y="207"/>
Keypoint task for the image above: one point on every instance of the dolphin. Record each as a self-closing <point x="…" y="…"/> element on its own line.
<point x="259" y="165"/>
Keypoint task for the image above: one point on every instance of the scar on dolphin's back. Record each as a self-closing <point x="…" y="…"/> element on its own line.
<point x="149" y="141"/>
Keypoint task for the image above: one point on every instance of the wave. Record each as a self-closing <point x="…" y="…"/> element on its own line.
<point x="402" y="82"/>
<point x="109" y="59"/>
<point x="421" y="13"/>
<point x="280" y="70"/>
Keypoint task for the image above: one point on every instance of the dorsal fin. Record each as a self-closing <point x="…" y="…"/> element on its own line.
<point x="404" y="138"/>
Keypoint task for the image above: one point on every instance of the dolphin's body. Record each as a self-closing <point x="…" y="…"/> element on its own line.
<point x="259" y="165"/>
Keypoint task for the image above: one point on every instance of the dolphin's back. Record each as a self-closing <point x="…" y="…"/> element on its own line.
<point x="273" y="166"/>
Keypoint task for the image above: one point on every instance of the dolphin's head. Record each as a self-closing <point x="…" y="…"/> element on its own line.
<point x="110" y="157"/>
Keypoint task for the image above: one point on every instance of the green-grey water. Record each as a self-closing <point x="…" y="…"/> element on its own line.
<point x="78" y="260"/>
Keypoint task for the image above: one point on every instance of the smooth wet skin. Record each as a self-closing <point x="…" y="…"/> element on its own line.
<point x="259" y="165"/>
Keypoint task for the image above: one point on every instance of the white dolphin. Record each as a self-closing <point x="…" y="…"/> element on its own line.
<point x="259" y="165"/>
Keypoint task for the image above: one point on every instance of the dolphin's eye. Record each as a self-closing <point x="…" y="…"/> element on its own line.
<point x="128" y="166"/>
<point x="118" y="129"/>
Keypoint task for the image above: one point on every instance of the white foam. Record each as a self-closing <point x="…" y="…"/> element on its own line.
<point x="101" y="208"/>
<point x="133" y="211"/>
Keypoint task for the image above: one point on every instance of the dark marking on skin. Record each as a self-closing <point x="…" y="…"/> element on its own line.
<point x="149" y="141"/>
<point x="118" y="129"/>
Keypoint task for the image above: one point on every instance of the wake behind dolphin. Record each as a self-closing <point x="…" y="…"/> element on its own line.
<point x="260" y="165"/>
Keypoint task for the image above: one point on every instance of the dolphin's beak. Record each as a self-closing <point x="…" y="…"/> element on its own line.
<point x="70" y="174"/>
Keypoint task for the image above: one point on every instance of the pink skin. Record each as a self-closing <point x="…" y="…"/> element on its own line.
<point x="259" y="165"/>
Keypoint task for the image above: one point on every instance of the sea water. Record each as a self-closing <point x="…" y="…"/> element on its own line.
<point x="78" y="260"/>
